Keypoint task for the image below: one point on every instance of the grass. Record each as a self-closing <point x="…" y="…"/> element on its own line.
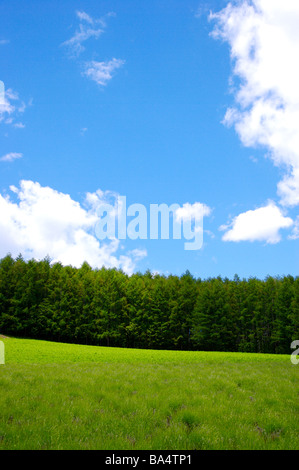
<point x="65" y="396"/>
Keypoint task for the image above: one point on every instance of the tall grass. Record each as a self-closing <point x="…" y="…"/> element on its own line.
<point x="22" y="351"/>
<point x="56" y="396"/>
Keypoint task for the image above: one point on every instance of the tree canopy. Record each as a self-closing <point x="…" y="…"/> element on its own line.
<point x="110" y="308"/>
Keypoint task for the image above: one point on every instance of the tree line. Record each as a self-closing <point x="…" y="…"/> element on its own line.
<point x="107" y="307"/>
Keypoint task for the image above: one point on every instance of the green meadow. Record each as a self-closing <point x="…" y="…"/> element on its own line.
<point x="69" y="396"/>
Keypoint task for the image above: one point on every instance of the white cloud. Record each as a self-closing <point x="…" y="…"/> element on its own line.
<point x="202" y="10"/>
<point x="138" y="253"/>
<point x="10" y="157"/>
<point x="19" y="125"/>
<point x="295" y="232"/>
<point x="6" y="107"/>
<point x="10" y="106"/>
<point x="4" y="41"/>
<point x="189" y="211"/>
<point x="88" y="28"/>
<point x="262" y="224"/>
<point x="264" y="42"/>
<point x="84" y="17"/>
<point x="84" y="33"/>
<point x="45" y="222"/>
<point x="101" y="72"/>
<point x="128" y="262"/>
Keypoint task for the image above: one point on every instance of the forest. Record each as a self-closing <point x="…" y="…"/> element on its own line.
<point x="107" y="307"/>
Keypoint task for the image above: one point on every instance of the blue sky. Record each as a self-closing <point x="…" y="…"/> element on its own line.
<point x="161" y="102"/>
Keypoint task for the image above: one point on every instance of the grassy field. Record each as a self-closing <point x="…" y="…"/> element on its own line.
<point x="65" y="396"/>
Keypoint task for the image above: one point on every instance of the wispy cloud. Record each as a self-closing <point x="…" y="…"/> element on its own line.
<point x="88" y="28"/>
<point x="4" y="41"/>
<point x="202" y="10"/>
<point x="85" y="17"/>
<point x="99" y="71"/>
<point x="102" y="72"/>
<point x="19" y="125"/>
<point x="10" y="157"/>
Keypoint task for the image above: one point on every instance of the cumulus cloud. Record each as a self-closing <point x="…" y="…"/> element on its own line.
<point x="264" y="43"/>
<point x="101" y="72"/>
<point x="43" y="221"/>
<point x="262" y="224"/>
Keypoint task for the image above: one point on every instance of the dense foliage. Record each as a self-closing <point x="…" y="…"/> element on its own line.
<point x="109" y="308"/>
